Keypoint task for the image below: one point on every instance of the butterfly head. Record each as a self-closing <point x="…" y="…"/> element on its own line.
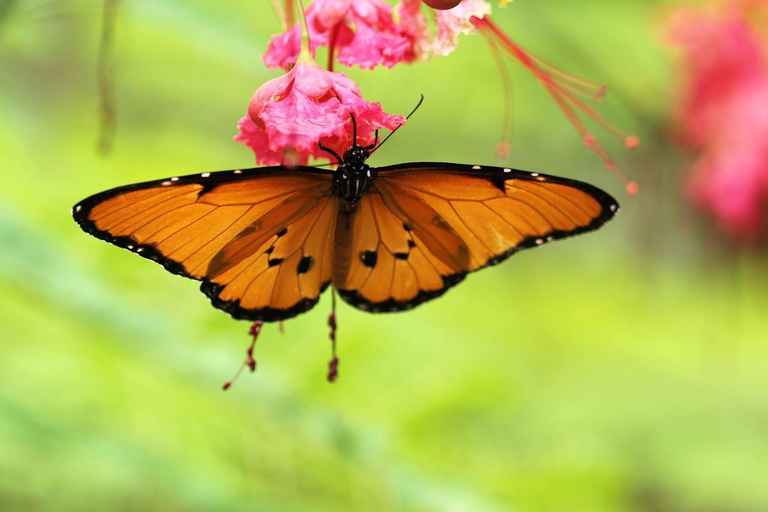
<point x="356" y="155"/>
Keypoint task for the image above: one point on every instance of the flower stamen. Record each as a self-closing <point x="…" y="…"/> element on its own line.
<point x="565" y="89"/>
<point x="503" y="146"/>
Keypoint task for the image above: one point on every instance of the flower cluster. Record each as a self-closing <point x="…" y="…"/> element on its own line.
<point x="723" y="114"/>
<point x="364" y="32"/>
<point x="290" y="116"/>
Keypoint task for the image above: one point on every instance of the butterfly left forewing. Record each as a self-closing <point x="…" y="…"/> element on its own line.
<point x="259" y="239"/>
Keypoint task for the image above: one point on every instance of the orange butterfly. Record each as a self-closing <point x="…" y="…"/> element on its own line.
<point x="266" y="242"/>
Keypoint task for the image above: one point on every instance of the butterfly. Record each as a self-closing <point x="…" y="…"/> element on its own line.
<point x="266" y="242"/>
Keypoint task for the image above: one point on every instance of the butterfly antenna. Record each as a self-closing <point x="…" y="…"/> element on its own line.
<point x="354" y="130"/>
<point x="421" y="100"/>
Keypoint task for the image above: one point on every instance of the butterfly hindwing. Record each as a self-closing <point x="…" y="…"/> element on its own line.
<point x="389" y="262"/>
<point x="455" y="219"/>
<point x="259" y="239"/>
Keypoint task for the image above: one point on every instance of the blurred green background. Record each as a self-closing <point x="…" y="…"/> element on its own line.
<point x="624" y="370"/>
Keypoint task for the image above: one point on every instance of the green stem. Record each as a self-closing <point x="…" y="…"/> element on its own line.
<point x="305" y="56"/>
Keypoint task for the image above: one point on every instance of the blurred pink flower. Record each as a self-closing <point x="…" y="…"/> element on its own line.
<point x="362" y="31"/>
<point x="724" y="117"/>
<point x="289" y="117"/>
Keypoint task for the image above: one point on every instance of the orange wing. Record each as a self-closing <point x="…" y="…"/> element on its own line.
<point x="258" y="239"/>
<point x="422" y="227"/>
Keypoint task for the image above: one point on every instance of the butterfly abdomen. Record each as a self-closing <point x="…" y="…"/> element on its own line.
<point x="342" y="247"/>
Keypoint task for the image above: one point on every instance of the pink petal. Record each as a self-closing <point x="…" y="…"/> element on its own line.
<point x="452" y="22"/>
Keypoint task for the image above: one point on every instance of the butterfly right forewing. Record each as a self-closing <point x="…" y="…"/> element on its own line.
<point x="458" y="219"/>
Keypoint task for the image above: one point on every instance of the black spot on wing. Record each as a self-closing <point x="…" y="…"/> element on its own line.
<point x="305" y="264"/>
<point x="282" y="232"/>
<point x="401" y="255"/>
<point x="369" y="258"/>
<point x="274" y="262"/>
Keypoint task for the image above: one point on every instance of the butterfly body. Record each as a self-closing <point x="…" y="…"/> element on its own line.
<point x="353" y="177"/>
<point x="266" y="242"/>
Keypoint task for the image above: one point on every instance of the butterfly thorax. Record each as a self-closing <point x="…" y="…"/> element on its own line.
<point x="353" y="177"/>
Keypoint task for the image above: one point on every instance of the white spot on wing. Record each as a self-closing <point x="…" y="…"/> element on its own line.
<point x="78" y="208"/>
<point x="539" y="241"/>
<point x="165" y="183"/>
<point x="205" y="175"/>
<point x="476" y="167"/>
<point x="534" y="174"/>
<point x="237" y="171"/>
<point x="541" y="178"/>
<point x="175" y="178"/>
<point x="613" y="208"/>
<point x="507" y="170"/>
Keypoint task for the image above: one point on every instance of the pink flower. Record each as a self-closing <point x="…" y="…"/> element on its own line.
<point x="289" y="117"/>
<point x="724" y="118"/>
<point x="452" y="22"/>
<point x="362" y="31"/>
<point x="413" y="25"/>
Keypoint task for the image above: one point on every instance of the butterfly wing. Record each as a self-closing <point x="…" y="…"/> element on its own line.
<point x="260" y="240"/>
<point x="423" y="226"/>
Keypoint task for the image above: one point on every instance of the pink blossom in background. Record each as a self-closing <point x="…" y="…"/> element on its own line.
<point x="723" y="116"/>
<point x="363" y="33"/>
<point x="289" y="116"/>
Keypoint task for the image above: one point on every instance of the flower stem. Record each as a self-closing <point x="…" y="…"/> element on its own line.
<point x="332" y="46"/>
<point x="305" y="56"/>
<point x="105" y="70"/>
<point x="289" y="21"/>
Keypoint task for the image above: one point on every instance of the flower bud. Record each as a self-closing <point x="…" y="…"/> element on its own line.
<point x="442" y="5"/>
